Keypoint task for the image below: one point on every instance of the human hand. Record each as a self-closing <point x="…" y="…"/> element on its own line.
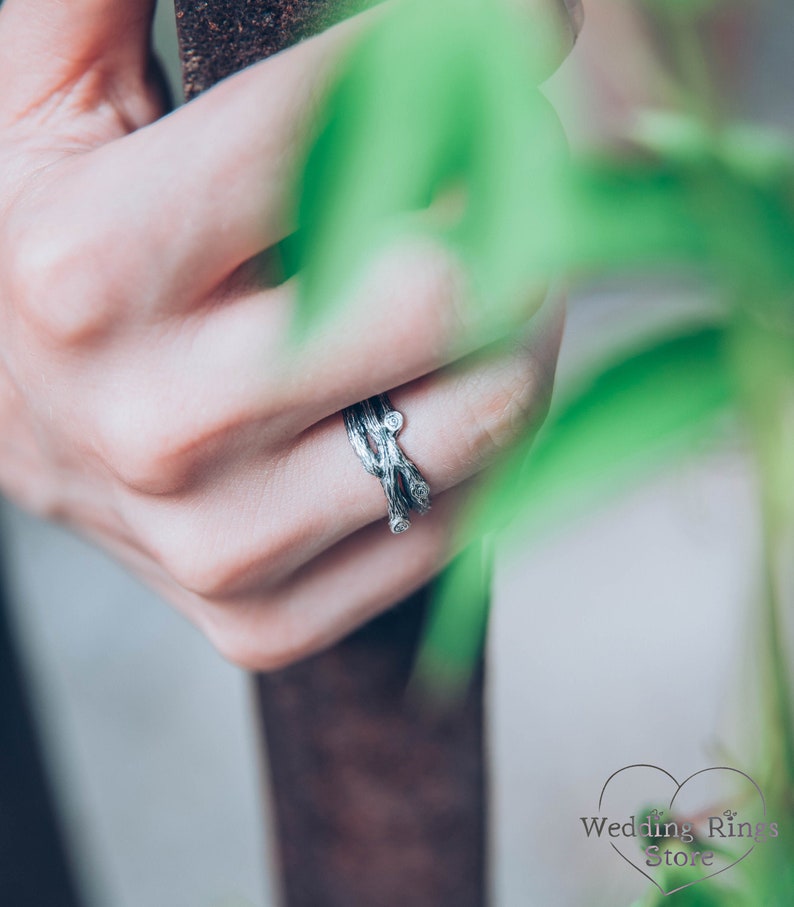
<point x="148" y="396"/>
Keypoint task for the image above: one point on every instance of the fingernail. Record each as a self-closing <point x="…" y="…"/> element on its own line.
<point x="576" y="14"/>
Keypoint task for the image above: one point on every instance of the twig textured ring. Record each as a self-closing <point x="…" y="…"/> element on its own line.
<point x="372" y="427"/>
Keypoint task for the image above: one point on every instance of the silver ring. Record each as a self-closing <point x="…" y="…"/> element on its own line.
<point x="372" y="427"/>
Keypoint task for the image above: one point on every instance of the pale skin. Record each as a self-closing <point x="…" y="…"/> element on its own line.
<point x="145" y="395"/>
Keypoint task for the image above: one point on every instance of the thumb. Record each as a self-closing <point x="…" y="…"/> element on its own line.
<point x="48" y="45"/>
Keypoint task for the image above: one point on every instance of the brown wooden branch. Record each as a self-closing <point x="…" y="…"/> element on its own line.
<point x="377" y="804"/>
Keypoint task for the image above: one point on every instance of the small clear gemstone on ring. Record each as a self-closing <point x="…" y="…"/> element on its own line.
<point x="393" y="420"/>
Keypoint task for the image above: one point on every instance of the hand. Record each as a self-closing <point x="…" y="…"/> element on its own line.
<point x="147" y="395"/>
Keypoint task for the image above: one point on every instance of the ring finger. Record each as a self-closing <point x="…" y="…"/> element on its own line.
<point x="269" y="515"/>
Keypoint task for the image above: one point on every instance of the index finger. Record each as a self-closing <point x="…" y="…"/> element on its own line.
<point x="220" y="172"/>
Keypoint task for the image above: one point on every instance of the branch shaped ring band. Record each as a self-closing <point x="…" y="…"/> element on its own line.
<point x="372" y="427"/>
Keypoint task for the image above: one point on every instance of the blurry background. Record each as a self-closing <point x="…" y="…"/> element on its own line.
<point x="627" y="638"/>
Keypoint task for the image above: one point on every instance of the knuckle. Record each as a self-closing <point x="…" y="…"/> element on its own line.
<point x="60" y="286"/>
<point x="233" y="646"/>
<point x="213" y="560"/>
<point x="142" y="466"/>
<point x="182" y="549"/>
<point x="163" y="441"/>
<point x="260" y="639"/>
<point x="206" y="573"/>
<point x="142" y="451"/>
<point x="201" y="575"/>
<point x="504" y="401"/>
<point x="262" y="562"/>
<point x="517" y="399"/>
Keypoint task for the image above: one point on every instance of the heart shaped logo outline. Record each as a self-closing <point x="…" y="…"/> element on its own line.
<point x="679" y="786"/>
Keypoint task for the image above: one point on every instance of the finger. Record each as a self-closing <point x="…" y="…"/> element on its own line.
<point x="455" y="421"/>
<point x="347" y="585"/>
<point x="231" y="372"/>
<point x="555" y="26"/>
<point x="49" y="45"/>
<point x="267" y="515"/>
<point x="229" y="160"/>
<point x="342" y="589"/>
<point x="221" y="170"/>
<point x="412" y="314"/>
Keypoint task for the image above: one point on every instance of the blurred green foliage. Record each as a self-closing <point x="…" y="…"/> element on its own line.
<point x="441" y="96"/>
<point x="413" y="116"/>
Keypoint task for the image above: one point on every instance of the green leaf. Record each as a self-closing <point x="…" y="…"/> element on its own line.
<point x="614" y="427"/>
<point x="453" y="638"/>
<point x="623" y="420"/>
<point x="441" y="96"/>
<point x="413" y="115"/>
<point x="695" y="208"/>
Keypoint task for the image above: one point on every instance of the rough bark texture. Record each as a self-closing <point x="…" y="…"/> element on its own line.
<point x="377" y="804"/>
<point x="219" y="37"/>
